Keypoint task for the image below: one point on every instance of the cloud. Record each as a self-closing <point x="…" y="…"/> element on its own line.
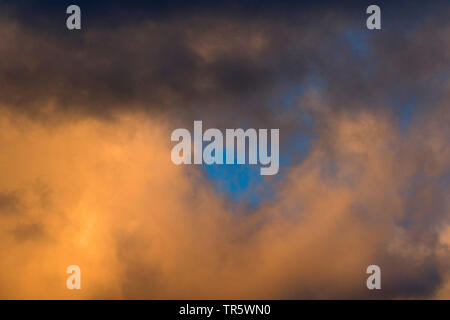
<point x="193" y="64"/>
<point x="87" y="179"/>
<point x="141" y="227"/>
<point x="9" y="203"/>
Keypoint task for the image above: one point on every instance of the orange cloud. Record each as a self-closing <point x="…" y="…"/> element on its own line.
<point x="106" y="196"/>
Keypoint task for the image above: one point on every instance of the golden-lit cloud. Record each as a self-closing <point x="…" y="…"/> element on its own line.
<point x="105" y="195"/>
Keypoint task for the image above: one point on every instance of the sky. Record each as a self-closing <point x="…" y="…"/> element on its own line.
<point x="86" y="176"/>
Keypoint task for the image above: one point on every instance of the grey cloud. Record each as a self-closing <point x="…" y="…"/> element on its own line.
<point x="9" y="203"/>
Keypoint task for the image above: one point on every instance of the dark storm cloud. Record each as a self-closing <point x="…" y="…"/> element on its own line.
<point x="158" y="57"/>
<point x="148" y="66"/>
